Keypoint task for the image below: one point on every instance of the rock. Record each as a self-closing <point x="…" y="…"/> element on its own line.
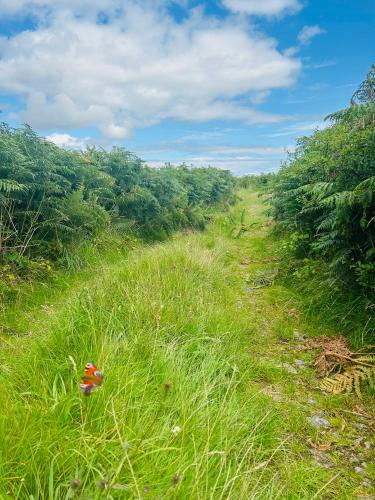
<point x="353" y="459"/>
<point x="289" y="368"/>
<point x="359" y="470"/>
<point x="275" y="395"/>
<point x="322" y="459"/>
<point x="319" y="422"/>
<point x="299" y="335"/>
<point x="311" y="401"/>
<point x="357" y="442"/>
<point x="360" y="426"/>
<point x="300" y="363"/>
<point x="367" y="445"/>
<point x="367" y="483"/>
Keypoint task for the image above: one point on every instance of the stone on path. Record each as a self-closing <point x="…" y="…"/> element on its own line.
<point x="319" y="422"/>
<point x="289" y="368"/>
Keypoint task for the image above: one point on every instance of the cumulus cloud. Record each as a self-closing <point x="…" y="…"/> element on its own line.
<point x="67" y="141"/>
<point x="139" y="68"/>
<point x="262" y="7"/>
<point x="309" y="32"/>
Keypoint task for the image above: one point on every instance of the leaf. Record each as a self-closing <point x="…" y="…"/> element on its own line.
<point x="319" y="446"/>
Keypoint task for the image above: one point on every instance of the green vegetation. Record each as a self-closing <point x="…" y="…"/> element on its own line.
<point x="209" y="390"/>
<point x="50" y="197"/>
<point x="323" y="204"/>
<point x="198" y="398"/>
<point x="324" y="194"/>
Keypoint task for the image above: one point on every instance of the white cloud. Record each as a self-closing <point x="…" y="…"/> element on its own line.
<point x="237" y="165"/>
<point x="301" y="128"/>
<point x="309" y="32"/>
<point x="41" y="7"/>
<point x="263" y="7"/>
<point x="139" y="68"/>
<point x="322" y="64"/>
<point x="216" y="149"/>
<point x="67" y="141"/>
<point x="238" y="159"/>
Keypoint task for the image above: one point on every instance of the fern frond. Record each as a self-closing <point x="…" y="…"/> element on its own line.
<point x="328" y="223"/>
<point x="351" y="378"/>
<point x="10" y="186"/>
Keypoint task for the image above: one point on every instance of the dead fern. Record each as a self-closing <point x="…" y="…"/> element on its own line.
<point x="351" y="378"/>
<point x="342" y="369"/>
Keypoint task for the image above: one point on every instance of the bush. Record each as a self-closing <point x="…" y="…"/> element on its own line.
<point x="324" y="195"/>
<point x="50" y="197"/>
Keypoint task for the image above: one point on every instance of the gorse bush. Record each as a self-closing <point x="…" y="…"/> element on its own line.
<point x="324" y="194"/>
<point x="50" y="197"/>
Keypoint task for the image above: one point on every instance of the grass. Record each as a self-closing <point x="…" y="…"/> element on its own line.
<point x="196" y="401"/>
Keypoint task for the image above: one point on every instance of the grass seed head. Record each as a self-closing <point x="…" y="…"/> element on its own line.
<point x="75" y="484"/>
<point x="101" y="484"/>
<point x="176" y="479"/>
<point x="167" y="388"/>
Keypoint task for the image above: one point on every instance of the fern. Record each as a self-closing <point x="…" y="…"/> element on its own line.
<point x="356" y="115"/>
<point x="328" y="223"/>
<point x="361" y="112"/>
<point x="351" y="378"/>
<point x="9" y="186"/>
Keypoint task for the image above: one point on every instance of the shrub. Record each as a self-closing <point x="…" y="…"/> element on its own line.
<point x="324" y="195"/>
<point x="50" y="197"/>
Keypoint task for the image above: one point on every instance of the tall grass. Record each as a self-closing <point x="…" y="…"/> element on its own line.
<point x="172" y="416"/>
<point x="181" y="412"/>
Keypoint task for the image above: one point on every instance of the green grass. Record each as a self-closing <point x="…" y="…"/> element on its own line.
<point x="196" y="402"/>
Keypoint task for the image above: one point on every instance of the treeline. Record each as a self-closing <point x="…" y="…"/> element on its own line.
<point x="51" y="197"/>
<point x="324" y="194"/>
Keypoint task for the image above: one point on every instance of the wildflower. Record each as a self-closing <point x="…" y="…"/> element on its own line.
<point x="176" y="430"/>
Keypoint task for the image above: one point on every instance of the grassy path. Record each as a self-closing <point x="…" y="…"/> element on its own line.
<point x="206" y="394"/>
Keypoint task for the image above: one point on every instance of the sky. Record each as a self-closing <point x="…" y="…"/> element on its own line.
<point x="227" y="83"/>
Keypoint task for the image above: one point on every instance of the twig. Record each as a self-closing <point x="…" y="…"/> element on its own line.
<point x="349" y="358"/>
<point x="358" y="414"/>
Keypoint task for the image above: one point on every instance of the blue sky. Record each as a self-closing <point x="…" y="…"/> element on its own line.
<point x="230" y="83"/>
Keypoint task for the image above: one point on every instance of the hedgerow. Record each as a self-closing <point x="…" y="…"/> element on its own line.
<point x="51" y="197"/>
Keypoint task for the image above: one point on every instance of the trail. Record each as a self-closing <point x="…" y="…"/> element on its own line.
<point x="207" y="393"/>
